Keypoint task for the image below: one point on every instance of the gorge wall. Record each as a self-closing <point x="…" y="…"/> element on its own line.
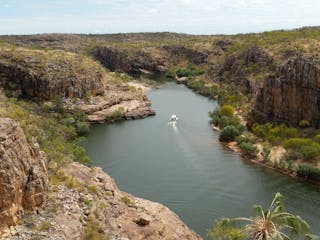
<point x="292" y="94"/>
<point x="47" y="74"/>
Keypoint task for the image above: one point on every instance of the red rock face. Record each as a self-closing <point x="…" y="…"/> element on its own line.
<point x="292" y="94"/>
<point x="23" y="176"/>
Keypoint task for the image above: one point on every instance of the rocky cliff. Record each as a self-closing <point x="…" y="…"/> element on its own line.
<point x="292" y="94"/>
<point x="90" y="206"/>
<point x="23" y="176"/>
<point x="241" y="69"/>
<point x="134" y="62"/>
<point x="45" y="75"/>
<point x="179" y="52"/>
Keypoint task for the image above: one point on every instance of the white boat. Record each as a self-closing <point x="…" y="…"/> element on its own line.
<point x="173" y="118"/>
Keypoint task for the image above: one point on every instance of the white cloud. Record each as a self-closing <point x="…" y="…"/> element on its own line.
<point x="190" y="16"/>
<point x="152" y="10"/>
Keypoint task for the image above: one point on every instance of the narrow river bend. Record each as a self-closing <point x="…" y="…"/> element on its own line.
<point x="186" y="168"/>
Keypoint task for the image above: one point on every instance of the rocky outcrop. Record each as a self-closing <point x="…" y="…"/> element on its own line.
<point x="134" y="62"/>
<point x="292" y="94"/>
<point x="182" y="52"/>
<point x="122" y="102"/>
<point x="45" y="75"/>
<point x="132" y="217"/>
<point x="238" y="68"/>
<point x="23" y="177"/>
<point x="95" y="206"/>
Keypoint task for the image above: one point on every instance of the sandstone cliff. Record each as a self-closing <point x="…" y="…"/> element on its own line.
<point x="241" y="69"/>
<point x="45" y="75"/>
<point x="23" y="175"/>
<point x="291" y="94"/>
<point x="134" y="62"/>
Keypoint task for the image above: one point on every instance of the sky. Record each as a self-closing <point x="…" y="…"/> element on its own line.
<point x="182" y="16"/>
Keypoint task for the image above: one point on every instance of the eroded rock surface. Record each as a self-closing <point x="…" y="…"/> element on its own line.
<point x="117" y="103"/>
<point x="45" y="75"/>
<point x="96" y="201"/>
<point x="136" y="62"/>
<point x="292" y="94"/>
<point x="23" y="176"/>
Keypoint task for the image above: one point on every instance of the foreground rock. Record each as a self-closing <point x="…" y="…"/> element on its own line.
<point x="23" y="177"/>
<point x="292" y="94"/>
<point x="93" y="204"/>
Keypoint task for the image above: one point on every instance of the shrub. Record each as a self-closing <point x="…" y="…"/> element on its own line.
<point x="196" y="85"/>
<point x="248" y="148"/>
<point x="215" y="116"/>
<point x="297" y="143"/>
<point x="317" y="138"/>
<point x="261" y="130"/>
<point x="189" y="71"/>
<point x="171" y="74"/>
<point x="304" y="124"/>
<point x="244" y="139"/>
<point x="306" y="146"/>
<point x="227" y="110"/>
<point x="82" y="128"/>
<point x="308" y="172"/>
<point x="266" y="152"/>
<point x="94" y="231"/>
<point x="274" y="134"/>
<point x="228" y="134"/>
<point x="223" y="120"/>
<point x="116" y="115"/>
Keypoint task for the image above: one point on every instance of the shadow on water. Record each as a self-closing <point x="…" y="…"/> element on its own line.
<point x="185" y="167"/>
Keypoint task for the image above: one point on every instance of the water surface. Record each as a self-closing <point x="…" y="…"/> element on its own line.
<point x="186" y="168"/>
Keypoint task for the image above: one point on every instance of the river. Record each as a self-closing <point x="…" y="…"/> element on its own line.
<point x="184" y="166"/>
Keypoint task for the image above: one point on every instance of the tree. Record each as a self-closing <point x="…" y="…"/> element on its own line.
<point x="272" y="224"/>
<point x="228" y="134"/>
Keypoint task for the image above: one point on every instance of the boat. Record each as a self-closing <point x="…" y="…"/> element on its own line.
<point x="173" y="118"/>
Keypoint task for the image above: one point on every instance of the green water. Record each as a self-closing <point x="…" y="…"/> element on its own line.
<point x="186" y="168"/>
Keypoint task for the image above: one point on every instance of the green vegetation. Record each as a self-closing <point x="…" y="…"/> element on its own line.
<point x="189" y="71"/>
<point x="56" y="131"/>
<point x="227" y="110"/>
<point x="275" y="134"/>
<point x="270" y="224"/>
<point x="309" y="172"/>
<point x="228" y="134"/>
<point x="304" y="124"/>
<point x="94" y="231"/>
<point x="309" y="149"/>
<point x="246" y="144"/>
<point x="196" y="85"/>
<point x="116" y="116"/>
<point x="230" y="124"/>
<point x="128" y="201"/>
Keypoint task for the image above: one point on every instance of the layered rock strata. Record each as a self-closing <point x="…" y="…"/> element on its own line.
<point x="23" y="176"/>
<point x="292" y="94"/>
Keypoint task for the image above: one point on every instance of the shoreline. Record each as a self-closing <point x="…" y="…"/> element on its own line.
<point x="233" y="146"/>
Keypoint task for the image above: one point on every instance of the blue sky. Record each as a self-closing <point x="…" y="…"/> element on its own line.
<point x="184" y="16"/>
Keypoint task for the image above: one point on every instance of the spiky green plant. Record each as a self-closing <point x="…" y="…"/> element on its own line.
<point x="271" y="224"/>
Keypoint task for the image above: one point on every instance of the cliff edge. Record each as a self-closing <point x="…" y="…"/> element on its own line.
<point x="23" y="175"/>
